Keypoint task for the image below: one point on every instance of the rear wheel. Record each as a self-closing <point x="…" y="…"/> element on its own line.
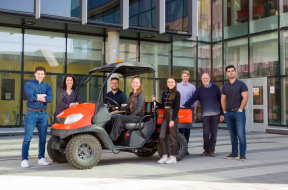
<point x="54" y="154"/>
<point x="182" y="145"/>
<point x="83" y="151"/>
<point x="146" y="154"/>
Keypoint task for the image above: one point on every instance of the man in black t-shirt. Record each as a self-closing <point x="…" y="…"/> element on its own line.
<point x="269" y="8"/>
<point x="233" y="100"/>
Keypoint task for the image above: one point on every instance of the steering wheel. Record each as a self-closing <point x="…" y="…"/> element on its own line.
<point x="109" y="105"/>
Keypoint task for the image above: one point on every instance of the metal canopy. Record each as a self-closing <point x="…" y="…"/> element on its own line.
<point x="125" y="68"/>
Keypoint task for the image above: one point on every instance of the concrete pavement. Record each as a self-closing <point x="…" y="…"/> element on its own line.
<point x="266" y="168"/>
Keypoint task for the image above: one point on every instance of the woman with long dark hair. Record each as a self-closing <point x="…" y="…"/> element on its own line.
<point x="66" y="95"/>
<point x="170" y="102"/>
<point x="136" y="106"/>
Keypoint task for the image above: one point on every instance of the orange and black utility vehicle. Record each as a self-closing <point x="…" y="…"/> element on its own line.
<point x="78" y="135"/>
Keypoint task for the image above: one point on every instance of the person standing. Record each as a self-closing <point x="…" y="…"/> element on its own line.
<point x="170" y="102"/>
<point x="209" y="96"/>
<point x="39" y="93"/>
<point x="233" y="100"/>
<point x="66" y="95"/>
<point x="186" y="91"/>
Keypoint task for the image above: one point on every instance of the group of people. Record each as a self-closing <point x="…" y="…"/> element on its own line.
<point x="215" y="107"/>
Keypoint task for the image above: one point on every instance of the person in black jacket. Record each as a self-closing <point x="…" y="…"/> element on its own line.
<point x="170" y="102"/>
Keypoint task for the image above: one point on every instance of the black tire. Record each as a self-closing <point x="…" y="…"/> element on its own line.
<point x="146" y="154"/>
<point x="182" y="147"/>
<point x="83" y="151"/>
<point x="54" y="154"/>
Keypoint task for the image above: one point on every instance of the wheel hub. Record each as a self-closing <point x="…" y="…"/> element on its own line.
<point x="84" y="151"/>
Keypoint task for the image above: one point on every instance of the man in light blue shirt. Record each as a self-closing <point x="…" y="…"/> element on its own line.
<point x="186" y="91"/>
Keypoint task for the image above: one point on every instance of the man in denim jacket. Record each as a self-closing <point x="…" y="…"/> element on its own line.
<point x="39" y="93"/>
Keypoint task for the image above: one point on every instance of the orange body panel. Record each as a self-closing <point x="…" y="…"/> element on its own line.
<point x="185" y="115"/>
<point x="86" y="109"/>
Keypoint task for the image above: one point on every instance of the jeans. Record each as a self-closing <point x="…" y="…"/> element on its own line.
<point x="236" y="124"/>
<point x="32" y="119"/>
<point x="210" y="129"/>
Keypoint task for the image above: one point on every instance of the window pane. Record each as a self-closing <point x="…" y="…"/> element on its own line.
<point x="204" y="20"/>
<point x="10" y="98"/>
<point x="264" y="15"/>
<point x="273" y="101"/>
<point x="217" y="73"/>
<point x="83" y="53"/>
<point x="257" y="95"/>
<point x="258" y="116"/>
<point x="264" y="55"/>
<point x="217" y="20"/>
<point x="142" y="13"/>
<point x="184" y="58"/>
<point x="10" y="48"/>
<point x="236" y="53"/>
<point x="55" y="82"/>
<point x="176" y="15"/>
<point x="128" y="50"/>
<point x="283" y="52"/>
<point x="157" y="54"/>
<point x="46" y="49"/>
<point x="104" y="11"/>
<point x="18" y="5"/>
<point x="204" y="59"/>
<point x="65" y="8"/>
<point x="283" y="5"/>
<point x="235" y="18"/>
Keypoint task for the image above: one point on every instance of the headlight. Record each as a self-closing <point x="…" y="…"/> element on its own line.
<point x="73" y="118"/>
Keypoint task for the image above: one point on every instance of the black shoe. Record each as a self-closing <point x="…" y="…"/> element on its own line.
<point x="187" y="153"/>
<point x="242" y="158"/>
<point x="232" y="156"/>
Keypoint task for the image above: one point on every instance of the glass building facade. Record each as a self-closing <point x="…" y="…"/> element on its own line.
<point x="250" y="34"/>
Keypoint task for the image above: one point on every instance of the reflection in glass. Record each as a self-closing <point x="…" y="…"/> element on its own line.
<point x="217" y="20"/>
<point x="257" y="95"/>
<point x="258" y="116"/>
<point x="104" y="11"/>
<point x="204" y="20"/>
<point x="128" y="50"/>
<point x="264" y="55"/>
<point x="274" y="102"/>
<point x="184" y="58"/>
<point x="235" y="18"/>
<point x="55" y="82"/>
<point x="283" y="6"/>
<point x="204" y="59"/>
<point x="217" y="73"/>
<point x="142" y="13"/>
<point x="236" y="53"/>
<point x="45" y="49"/>
<point x="157" y="54"/>
<point x="10" y="48"/>
<point x="65" y="8"/>
<point x="10" y="86"/>
<point x="176" y="15"/>
<point x="18" y="5"/>
<point x="83" y="53"/>
<point x="264" y="15"/>
<point x="283" y="52"/>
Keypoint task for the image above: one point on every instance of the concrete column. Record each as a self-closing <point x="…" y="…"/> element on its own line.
<point x="112" y="51"/>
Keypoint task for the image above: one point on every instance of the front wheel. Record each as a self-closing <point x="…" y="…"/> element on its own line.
<point x="182" y="145"/>
<point x="83" y="151"/>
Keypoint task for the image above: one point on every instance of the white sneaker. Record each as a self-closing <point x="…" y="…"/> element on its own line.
<point x="24" y="164"/>
<point x="43" y="162"/>
<point x="162" y="160"/>
<point x="171" y="160"/>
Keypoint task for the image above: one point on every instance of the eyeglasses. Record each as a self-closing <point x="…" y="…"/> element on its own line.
<point x="114" y="83"/>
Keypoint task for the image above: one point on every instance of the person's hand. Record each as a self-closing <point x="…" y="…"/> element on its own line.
<point x="153" y="98"/>
<point x="73" y="104"/>
<point x="221" y="118"/>
<point x="182" y="107"/>
<point x="40" y="96"/>
<point x="171" y="124"/>
<point x="116" y="108"/>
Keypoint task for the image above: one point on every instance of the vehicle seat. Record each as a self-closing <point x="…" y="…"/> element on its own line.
<point x="134" y="126"/>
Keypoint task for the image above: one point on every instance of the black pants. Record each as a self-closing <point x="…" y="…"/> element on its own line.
<point x="116" y="124"/>
<point x="210" y="129"/>
<point x="172" y="133"/>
